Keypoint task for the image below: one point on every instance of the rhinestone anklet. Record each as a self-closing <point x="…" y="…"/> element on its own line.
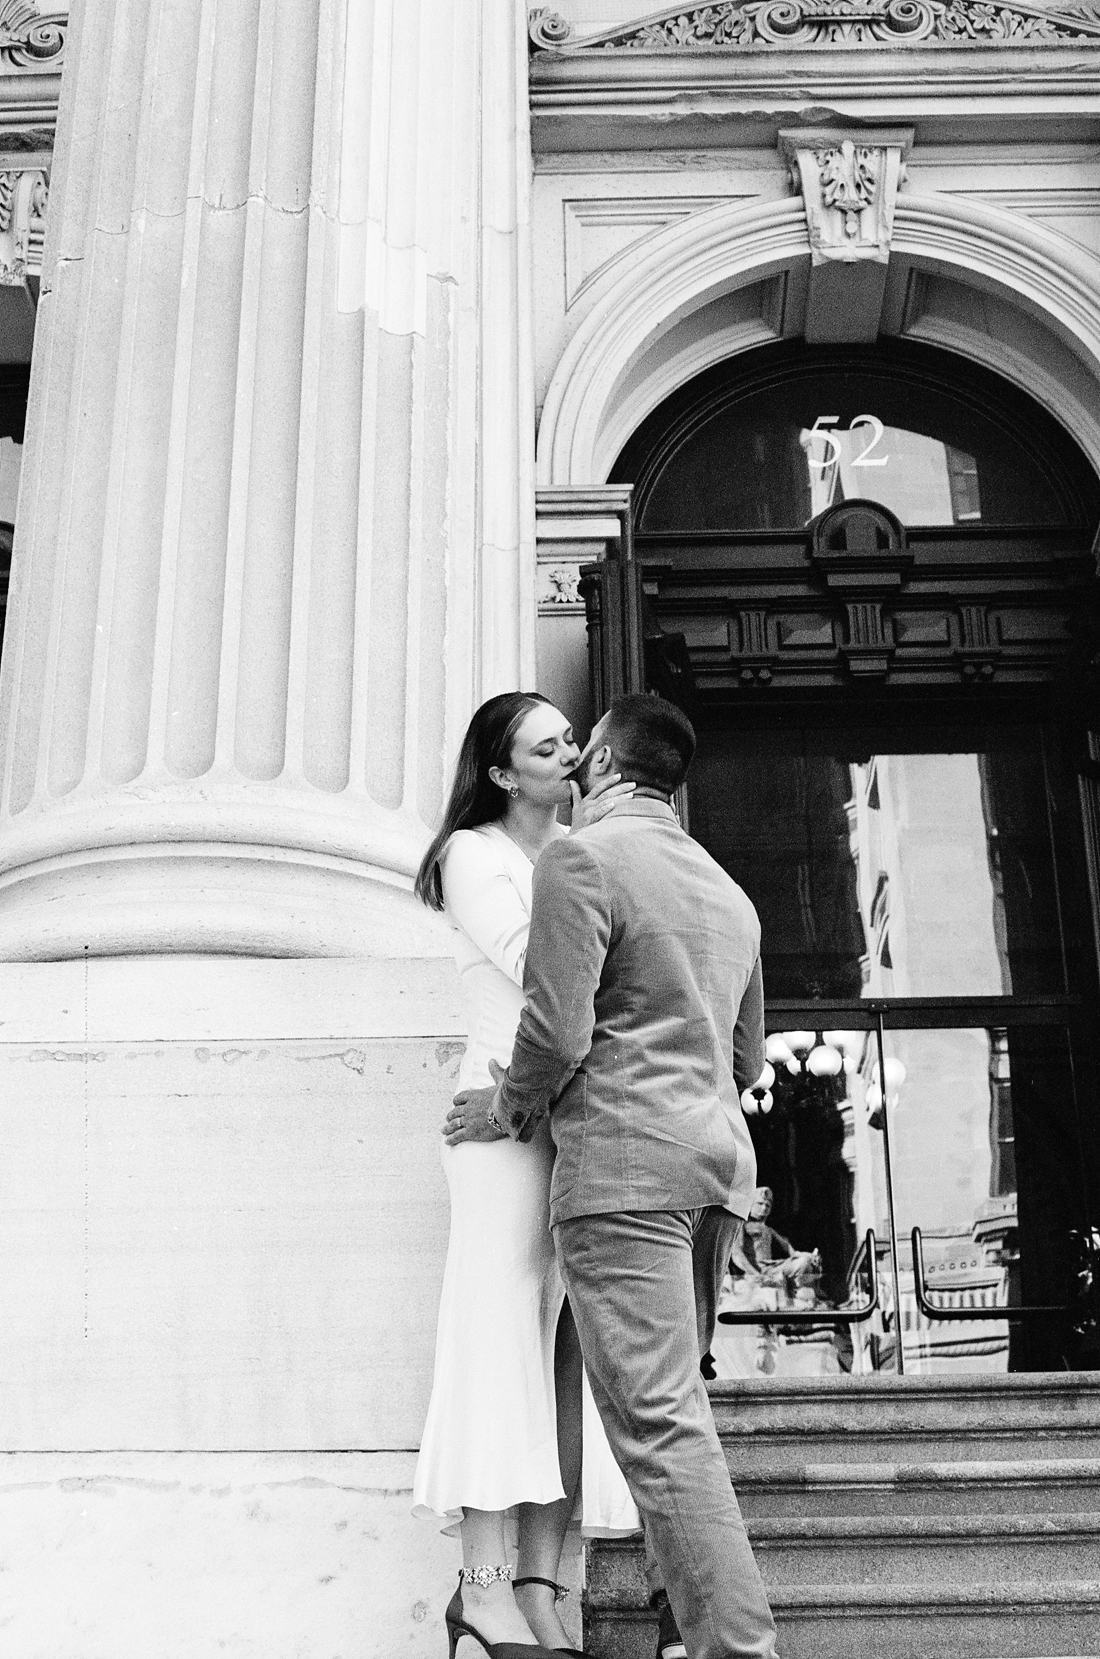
<point x="484" y="1576"/>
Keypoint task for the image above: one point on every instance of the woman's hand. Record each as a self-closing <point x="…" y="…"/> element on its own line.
<point x="590" y="808"/>
<point x="468" y="1118"/>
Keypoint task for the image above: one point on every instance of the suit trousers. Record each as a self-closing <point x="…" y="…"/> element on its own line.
<point x="643" y="1286"/>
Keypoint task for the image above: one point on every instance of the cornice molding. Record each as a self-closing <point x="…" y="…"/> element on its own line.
<point x="30" y="38"/>
<point x="32" y="52"/>
<point x="740" y="25"/>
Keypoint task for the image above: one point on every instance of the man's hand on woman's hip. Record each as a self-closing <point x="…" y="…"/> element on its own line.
<point x="471" y="1117"/>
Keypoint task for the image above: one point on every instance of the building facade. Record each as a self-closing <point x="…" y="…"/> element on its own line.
<point x="363" y="358"/>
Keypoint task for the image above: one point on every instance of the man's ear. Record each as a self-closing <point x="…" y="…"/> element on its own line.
<point x="601" y="761"/>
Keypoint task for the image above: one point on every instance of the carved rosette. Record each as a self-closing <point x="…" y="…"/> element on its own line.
<point x="24" y="199"/>
<point x="29" y="40"/>
<point x="849" y="184"/>
<point x="764" y="23"/>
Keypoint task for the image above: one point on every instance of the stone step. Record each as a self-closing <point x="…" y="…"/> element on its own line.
<point x="765" y="1423"/>
<point x="825" y="1621"/>
<point x="864" y="1550"/>
<point x="1053" y="1486"/>
<point x="983" y="1621"/>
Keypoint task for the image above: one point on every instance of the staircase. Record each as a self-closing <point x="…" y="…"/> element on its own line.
<point x="902" y="1518"/>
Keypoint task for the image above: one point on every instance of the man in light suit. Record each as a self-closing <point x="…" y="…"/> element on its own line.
<point x="642" y="1024"/>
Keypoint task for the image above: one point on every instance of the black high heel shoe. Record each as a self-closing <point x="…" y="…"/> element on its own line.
<point x="457" y="1626"/>
<point x="559" y="1590"/>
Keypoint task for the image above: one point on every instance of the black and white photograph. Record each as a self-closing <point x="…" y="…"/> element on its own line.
<point x="549" y="829"/>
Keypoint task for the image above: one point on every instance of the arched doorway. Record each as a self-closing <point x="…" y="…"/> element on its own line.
<point x="868" y="574"/>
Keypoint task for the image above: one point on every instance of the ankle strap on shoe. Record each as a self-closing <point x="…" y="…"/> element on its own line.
<point x="484" y="1576"/>
<point x="560" y="1590"/>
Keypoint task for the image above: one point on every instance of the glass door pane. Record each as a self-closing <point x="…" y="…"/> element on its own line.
<point x="800" y="1250"/>
<point x="912" y="868"/>
<point x="987" y="1164"/>
<point x="899" y="863"/>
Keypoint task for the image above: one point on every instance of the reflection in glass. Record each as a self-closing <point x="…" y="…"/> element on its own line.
<point x="981" y="1121"/>
<point x="892" y="870"/>
<point x="798" y="1249"/>
<point x="921" y="480"/>
<point x="980" y="1139"/>
<point x="768" y="445"/>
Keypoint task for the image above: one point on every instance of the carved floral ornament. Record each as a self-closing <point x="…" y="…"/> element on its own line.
<point x="755" y="23"/>
<point x="559" y="586"/>
<point x="849" y="185"/>
<point x="28" y="38"/>
<point x="24" y="200"/>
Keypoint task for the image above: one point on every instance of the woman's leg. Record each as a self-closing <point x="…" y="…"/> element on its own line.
<point x="542" y="1527"/>
<point x="492" y="1611"/>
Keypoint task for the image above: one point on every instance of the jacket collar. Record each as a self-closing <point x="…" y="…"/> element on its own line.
<point x="642" y="806"/>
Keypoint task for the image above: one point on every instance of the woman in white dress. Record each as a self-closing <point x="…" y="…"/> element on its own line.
<point x="503" y="1432"/>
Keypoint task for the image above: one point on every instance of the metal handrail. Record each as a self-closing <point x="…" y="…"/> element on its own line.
<point x="965" y="1315"/>
<point x="811" y="1316"/>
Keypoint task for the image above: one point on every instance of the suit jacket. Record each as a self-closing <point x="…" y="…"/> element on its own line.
<point x="643" y="1020"/>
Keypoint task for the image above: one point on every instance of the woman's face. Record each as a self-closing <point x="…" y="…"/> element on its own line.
<point x="543" y="755"/>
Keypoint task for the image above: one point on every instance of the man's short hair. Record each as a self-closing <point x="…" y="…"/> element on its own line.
<point x="652" y="741"/>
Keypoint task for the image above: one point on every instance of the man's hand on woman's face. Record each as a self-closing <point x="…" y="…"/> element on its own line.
<point x="590" y="808"/>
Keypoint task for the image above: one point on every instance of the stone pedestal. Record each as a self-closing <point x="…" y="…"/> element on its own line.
<point x="274" y="538"/>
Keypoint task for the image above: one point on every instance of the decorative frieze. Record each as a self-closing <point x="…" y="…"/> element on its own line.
<point x="768" y="23"/>
<point x="29" y="39"/>
<point x="859" y="597"/>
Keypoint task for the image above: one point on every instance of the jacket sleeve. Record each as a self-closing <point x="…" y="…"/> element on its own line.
<point x="748" y="1032"/>
<point x="480" y="898"/>
<point x="569" y="940"/>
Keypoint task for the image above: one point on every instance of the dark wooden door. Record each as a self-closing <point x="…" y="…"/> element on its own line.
<point x="896" y="699"/>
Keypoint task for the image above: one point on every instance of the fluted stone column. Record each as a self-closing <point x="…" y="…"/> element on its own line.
<point x="276" y="524"/>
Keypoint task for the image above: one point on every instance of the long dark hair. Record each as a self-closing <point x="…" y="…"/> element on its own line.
<point x="475" y="798"/>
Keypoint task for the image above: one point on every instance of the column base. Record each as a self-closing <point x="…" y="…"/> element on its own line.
<point x="306" y="1553"/>
<point x="225" y="899"/>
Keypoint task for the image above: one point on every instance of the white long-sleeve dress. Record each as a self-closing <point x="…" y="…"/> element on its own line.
<point x="490" y="1439"/>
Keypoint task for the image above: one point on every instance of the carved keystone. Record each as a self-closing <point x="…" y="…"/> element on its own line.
<point x="849" y="182"/>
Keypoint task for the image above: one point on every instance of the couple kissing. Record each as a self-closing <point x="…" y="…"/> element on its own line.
<point x="599" y="1170"/>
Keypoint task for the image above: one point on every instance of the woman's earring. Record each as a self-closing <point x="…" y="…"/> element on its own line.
<point x="513" y="790"/>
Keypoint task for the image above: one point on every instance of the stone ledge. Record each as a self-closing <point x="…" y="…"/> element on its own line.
<point x="229" y="999"/>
